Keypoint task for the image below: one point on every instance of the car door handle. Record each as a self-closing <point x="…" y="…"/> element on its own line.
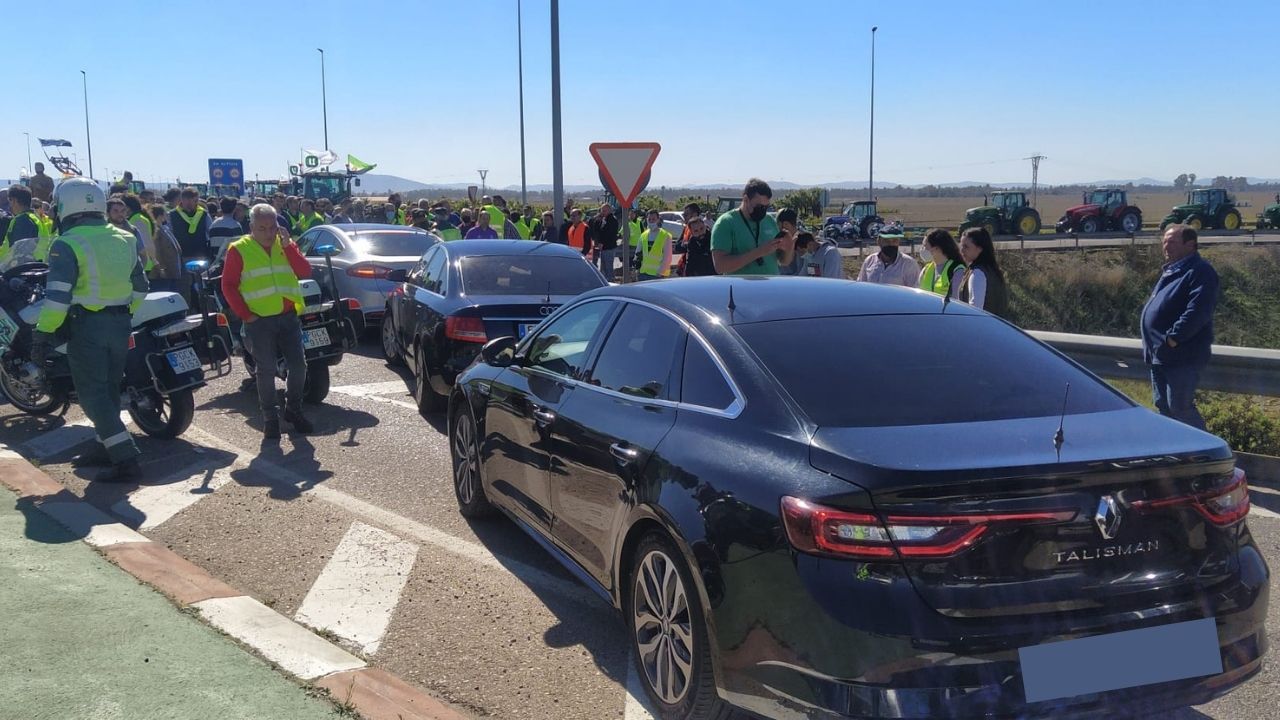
<point x="623" y="454"/>
<point x="543" y="417"/>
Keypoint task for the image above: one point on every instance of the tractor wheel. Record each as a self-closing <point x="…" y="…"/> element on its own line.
<point x="1027" y="223"/>
<point x="1131" y="222"/>
<point x="1089" y="224"/>
<point x="1231" y="221"/>
<point x="991" y="227"/>
<point x="1195" y="222"/>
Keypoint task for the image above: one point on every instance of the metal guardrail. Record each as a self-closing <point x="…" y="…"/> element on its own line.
<point x="1249" y="371"/>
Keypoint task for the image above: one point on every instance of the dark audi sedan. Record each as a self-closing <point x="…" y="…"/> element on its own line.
<point x="817" y="498"/>
<point x="460" y="294"/>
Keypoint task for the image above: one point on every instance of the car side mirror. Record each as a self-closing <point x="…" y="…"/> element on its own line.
<point x="397" y="276"/>
<point x="326" y="250"/>
<point x="196" y="267"/>
<point x="499" y="352"/>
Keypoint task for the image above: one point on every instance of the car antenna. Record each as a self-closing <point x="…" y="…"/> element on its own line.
<point x="548" y="292"/>
<point x="732" y="305"/>
<point x="1058" y="436"/>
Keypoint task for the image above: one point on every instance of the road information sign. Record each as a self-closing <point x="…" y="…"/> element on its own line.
<point x="625" y="166"/>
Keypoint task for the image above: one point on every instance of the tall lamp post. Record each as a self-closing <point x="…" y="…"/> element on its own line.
<point x="88" y="143"/>
<point x="557" y="150"/>
<point x="524" y="183"/>
<point x="871" y="152"/>
<point x="28" y="150"/>
<point x="324" y="100"/>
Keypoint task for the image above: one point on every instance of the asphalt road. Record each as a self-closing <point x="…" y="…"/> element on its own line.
<point x="354" y="531"/>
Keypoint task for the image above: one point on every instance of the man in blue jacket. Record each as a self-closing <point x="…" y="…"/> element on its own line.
<point x="1177" y="325"/>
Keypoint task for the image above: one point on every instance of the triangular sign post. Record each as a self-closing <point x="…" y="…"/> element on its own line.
<point x="625" y="166"/>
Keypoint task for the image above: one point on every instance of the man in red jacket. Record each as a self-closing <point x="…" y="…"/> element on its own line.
<point x="260" y="282"/>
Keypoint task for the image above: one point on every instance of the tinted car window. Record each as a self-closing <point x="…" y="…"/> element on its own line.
<point x="308" y="241"/>
<point x="527" y="275"/>
<point x="637" y="357"/>
<point x="393" y="243"/>
<point x="561" y="347"/>
<point x="434" y="274"/>
<point x="702" y="383"/>
<point x="890" y="370"/>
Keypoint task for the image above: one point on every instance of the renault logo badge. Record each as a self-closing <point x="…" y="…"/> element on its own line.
<point x="1107" y="518"/>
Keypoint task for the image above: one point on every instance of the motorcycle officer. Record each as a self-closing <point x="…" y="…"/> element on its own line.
<point x="95" y="282"/>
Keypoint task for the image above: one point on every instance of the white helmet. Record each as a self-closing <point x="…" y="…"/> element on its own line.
<point x="78" y="195"/>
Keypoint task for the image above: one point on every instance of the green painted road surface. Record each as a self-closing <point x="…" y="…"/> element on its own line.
<point x="81" y="638"/>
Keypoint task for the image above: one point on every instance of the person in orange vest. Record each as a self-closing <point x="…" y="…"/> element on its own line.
<point x="574" y="234"/>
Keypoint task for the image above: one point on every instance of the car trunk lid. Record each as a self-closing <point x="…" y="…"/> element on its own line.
<point x="513" y="315"/>
<point x="1033" y="531"/>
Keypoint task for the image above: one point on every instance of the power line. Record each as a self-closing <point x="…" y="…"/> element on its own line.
<point x="1035" y="175"/>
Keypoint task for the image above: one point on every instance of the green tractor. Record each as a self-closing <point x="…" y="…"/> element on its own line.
<point x="334" y="186"/>
<point x="1007" y="213"/>
<point x="1211" y="208"/>
<point x="1269" y="218"/>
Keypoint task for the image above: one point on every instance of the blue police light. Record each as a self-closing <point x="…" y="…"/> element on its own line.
<point x="196" y="266"/>
<point x="326" y="250"/>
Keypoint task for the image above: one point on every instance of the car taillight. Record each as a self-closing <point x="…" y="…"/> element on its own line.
<point x="466" y="329"/>
<point x="352" y="304"/>
<point x="222" y="320"/>
<point x="368" y="272"/>
<point x="1222" y="506"/>
<point x="814" y="528"/>
<point x="133" y="343"/>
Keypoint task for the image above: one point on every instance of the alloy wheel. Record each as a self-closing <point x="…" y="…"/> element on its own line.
<point x="389" y="338"/>
<point x="467" y="461"/>
<point x="663" y="626"/>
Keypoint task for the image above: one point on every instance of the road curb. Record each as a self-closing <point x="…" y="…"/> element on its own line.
<point x="374" y="693"/>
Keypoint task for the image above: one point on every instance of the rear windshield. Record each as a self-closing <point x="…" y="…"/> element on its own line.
<point x="394" y="243"/>
<point x="892" y="370"/>
<point x="527" y="275"/>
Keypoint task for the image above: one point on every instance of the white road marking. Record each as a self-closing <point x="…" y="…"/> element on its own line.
<point x="152" y="505"/>
<point x="389" y="387"/>
<point x="636" y="705"/>
<point x="60" y="439"/>
<point x="89" y="523"/>
<point x="1257" y="512"/>
<point x="359" y="587"/>
<point x="402" y="526"/>
<point x="279" y="639"/>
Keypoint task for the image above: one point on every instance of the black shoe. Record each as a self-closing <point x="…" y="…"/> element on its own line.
<point x="299" y="423"/>
<point x="122" y="472"/>
<point x="97" y="457"/>
<point x="271" y="430"/>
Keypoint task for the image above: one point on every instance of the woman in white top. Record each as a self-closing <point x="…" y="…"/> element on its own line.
<point x="983" y="285"/>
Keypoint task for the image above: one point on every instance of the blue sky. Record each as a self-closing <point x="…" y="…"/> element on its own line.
<point x="428" y="90"/>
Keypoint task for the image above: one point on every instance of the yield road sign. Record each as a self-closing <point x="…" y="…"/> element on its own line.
<point x="625" y="166"/>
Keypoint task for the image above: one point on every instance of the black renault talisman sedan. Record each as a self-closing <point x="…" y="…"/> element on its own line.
<point x="462" y="293"/>
<point x="818" y="498"/>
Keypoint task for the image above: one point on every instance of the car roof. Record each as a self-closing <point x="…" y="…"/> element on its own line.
<point x="460" y="248"/>
<point x="765" y="299"/>
<point x="350" y="228"/>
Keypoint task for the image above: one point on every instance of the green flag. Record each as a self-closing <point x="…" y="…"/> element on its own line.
<point x="358" y="166"/>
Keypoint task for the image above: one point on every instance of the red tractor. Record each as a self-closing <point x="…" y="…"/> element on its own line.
<point x="1103" y="209"/>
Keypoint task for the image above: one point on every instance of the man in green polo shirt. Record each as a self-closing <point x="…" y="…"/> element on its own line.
<point x="746" y="241"/>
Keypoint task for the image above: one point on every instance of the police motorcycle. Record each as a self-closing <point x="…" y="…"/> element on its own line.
<point x="330" y="327"/>
<point x="171" y="355"/>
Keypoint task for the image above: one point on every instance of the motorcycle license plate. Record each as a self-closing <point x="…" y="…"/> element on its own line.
<point x="312" y="339"/>
<point x="526" y="328"/>
<point x="183" y="361"/>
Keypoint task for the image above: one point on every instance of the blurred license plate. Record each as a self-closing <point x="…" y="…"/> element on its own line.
<point x="1120" y="660"/>
<point x="183" y="361"/>
<point x="526" y="328"/>
<point x="312" y="339"/>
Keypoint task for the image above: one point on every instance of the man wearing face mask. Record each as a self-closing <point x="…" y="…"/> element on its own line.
<point x="890" y="267"/>
<point x="747" y="241"/>
<point x="655" y="248"/>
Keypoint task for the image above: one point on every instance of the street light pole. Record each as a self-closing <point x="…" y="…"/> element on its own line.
<point x="871" y="152"/>
<point x="28" y="150"/>
<point x="88" y="143"/>
<point x="557" y="150"/>
<point x="324" y="100"/>
<point x="524" y="183"/>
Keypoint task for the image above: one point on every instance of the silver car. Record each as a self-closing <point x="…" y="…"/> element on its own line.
<point x="366" y="252"/>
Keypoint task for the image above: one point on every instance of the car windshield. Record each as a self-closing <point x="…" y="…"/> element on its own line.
<point x="896" y="370"/>
<point x="527" y="274"/>
<point x="393" y="243"/>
